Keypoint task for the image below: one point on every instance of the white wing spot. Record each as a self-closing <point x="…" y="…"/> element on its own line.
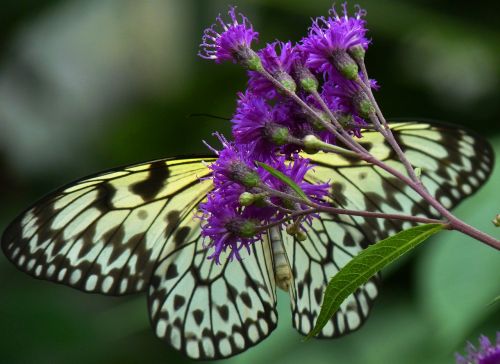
<point x="31" y="264"/>
<point x="62" y="273"/>
<point x="91" y="283"/>
<point x="253" y="334"/>
<point x="154" y="307"/>
<point x="466" y="188"/>
<point x="161" y="328"/>
<point x="305" y="325"/>
<point x="123" y="285"/>
<point x="193" y="349"/>
<point x="263" y="325"/>
<point x="38" y="270"/>
<point x="225" y="347"/>
<point x="175" y="338"/>
<point x="239" y="340"/>
<point x="107" y="283"/>
<point x="15" y="252"/>
<point x="328" y="329"/>
<point x="446" y="202"/>
<point x="50" y="270"/>
<point x="75" y="276"/>
<point x="208" y="346"/>
<point x="353" y="319"/>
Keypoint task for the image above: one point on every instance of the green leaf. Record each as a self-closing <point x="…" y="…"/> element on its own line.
<point x="362" y="267"/>
<point x="285" y="179"/>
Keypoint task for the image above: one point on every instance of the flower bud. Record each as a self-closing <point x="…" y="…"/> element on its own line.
<point x="246" y="199"/>
<point x="358" y="53"/>
<point x="345" y="64"/>
<point x="250" y="59"/>
<point x="286" y="81"/>
<point x="306" y="79"/>
<point x="276" y="133"/>
<point x="311" y="142"/>
<point x="363" y="105"/>
<point x="245" y="228"/>
<point x="242" y="174"/>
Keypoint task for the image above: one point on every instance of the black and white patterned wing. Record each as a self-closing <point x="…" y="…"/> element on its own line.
<point x="211" y="311"/>
<point x="105" y="233"/>
<point x="133" y="228"/>
<point x="454" y="164"/>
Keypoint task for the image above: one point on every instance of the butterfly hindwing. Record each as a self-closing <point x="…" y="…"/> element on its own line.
<point x="211" y="311"/>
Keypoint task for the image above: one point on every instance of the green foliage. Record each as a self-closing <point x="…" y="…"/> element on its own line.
<point x="360" y="269"/>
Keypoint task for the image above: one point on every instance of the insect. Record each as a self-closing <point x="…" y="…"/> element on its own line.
<point x="132" y="229"/>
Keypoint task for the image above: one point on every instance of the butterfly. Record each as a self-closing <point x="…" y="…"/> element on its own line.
<point x="132" y="229"/>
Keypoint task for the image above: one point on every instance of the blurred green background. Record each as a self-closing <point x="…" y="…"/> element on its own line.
<point x="88" y="85"/>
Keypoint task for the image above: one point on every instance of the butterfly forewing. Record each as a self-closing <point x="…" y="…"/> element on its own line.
<point x="105" y="233"/>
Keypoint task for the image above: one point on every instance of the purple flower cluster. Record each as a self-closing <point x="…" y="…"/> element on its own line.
<point x="488" y="353"/>
<point x="229" y="222"/>
<point x="312" y="87"/>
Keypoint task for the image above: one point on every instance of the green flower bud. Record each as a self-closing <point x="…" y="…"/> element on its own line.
<point x="245" y="228"/>
<point x="286" y="81"/>
<point x="246" y="199"/>
<point x="345" y="119"/>
<point x="363" y="106"/>
<point x="358" y="53"/>
<point x="243" y="175"/>
<point x="311" y="142"/>
<point x="309" y="84"/>
<point x="345" y="65"/>
<point x="251" y="60"/>
<point x="276" y="133"/>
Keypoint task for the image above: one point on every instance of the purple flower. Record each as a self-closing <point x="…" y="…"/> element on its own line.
<point x="259" y="126"/>
<point x="346" y="99"/>
<point x="486" y="354"/>
<point x="233" y="166"/>
<point x="277" y="63"/>
<point x="331" y="38"/>
<point x="232" y="42"/>
<point x="296" y="169"/>
<point x="227" y="227"/>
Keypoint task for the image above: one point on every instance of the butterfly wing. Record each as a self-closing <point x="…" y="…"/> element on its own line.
<point x="131" y="228"/>
<point x="211" y="311"/>
<point x="106" y="232"/>
<point x="121" y="231"/>
<point x="454" y="164"/>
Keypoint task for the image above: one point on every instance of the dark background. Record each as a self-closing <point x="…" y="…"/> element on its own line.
<point x="88" y="85"/>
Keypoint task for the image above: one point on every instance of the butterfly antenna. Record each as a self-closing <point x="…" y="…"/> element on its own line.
<point x="194" y="115"/>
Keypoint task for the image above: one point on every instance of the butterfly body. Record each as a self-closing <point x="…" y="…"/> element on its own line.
<point x="282" y="269"/>
<point x="133" y="229"/>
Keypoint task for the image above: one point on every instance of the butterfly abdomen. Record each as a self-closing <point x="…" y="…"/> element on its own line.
<point x="282" y="269"/>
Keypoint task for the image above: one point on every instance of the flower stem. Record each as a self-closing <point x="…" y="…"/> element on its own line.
<point x="316" y="207"/>
<point x="411" y="180"/>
